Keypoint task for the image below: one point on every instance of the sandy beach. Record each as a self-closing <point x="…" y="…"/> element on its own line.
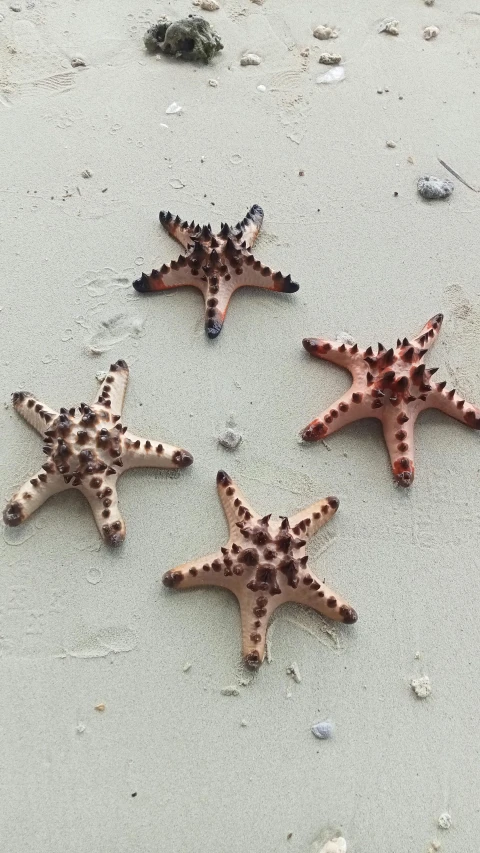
<point x="116" y="732"/>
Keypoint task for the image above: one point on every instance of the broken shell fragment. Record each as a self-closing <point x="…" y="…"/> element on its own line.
<point x="390" y="26"/>
<point x="431" y="187"/>
<point x="323" y="730"/>
<point x="207" y="5"/>
<point x="250" y="59"/>
<point x="430" y="33"/>
<point x="323" y="33"/>
<point x="330" y="58"/>
<point x="334" y="75"/>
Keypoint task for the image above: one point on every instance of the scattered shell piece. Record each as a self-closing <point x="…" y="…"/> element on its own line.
<point x="207" y="5"/>
<point x="100" y="707"/>
<point x="101" y="375"/>
<point x="250" y="59"/>
<point x="243" y="724"/>
<point x="230" y="439"/>
<point x="173" y="108"/>
<point x="294" y="672"/>
<point x="336" y="844"/>
<point x="258" y="2"/>
<point x="410" y="159"/>
<point x="421" y="686"/>
<point x="323" y="33"/>
<point x="77" y="62"/>
<point x="15" y="7"/>
<point x="231" y="690"/>
<point x="262" y="88"/>
<point x="305" y="52"/>
<point x="330" y="58"/>
<point x="191" y="38"/>
<point x="213" y="83"/>
<point x="429" y="2"/>
<point x="445" y="821"/>
<point x="87" y="173"/>
<point x="335" y="75"/>
<point x="430" y="33"/>
<point x="390" y="26"/>
<point x="80" y="729"/>
<point x="323" y="730"/>
<point x="434" y="846"/>
<point x="431" y="187"/>
<point x="187" y="667"/>
<point x="391" y="144"/>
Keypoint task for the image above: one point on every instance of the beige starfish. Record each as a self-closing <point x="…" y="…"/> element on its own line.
<point x="88" y="452"/>
<point x="264" y="564"/>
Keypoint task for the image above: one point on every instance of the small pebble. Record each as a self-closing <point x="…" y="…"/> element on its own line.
<point x="445" y="821"/>
<point x="173" y="108"/>
<point x="207" y="5"/>
<point x="187" y="667"/>
<point x="334" y="845"/>
<point x="390" y="26"/>
<point x="323" y="33"/>
<point x="15" y="7"/>
<point x="391" y="144"/>
<point x="243" y="724"/>
<point x="230" y="691"/>
<point x="87" y="173"/>
<point x="434" y="846"/>
<point x="330" y="58"/>
<point x="262" y="88"/>
<point x="429" y="2"/>
<point x="250" y="59"/>
<point x="101" y="374"/>
<point x="230" y="439"/>
<point x="323" y="730"/>
<point x="213" y="83"/>
<point x="421" y="686"/>
<point x="100" y="707"/>
<point x="80" y="729"/>
<point x="431" y="187"/>
<point x="77" y="62"/>
<point x="430" y="33"/>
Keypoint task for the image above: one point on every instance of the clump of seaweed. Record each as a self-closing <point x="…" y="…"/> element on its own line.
<point x="191" y="38"/>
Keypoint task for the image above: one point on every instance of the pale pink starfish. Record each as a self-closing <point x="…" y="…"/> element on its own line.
<point x="88" y="451"/>
<point x="394" y="386"/>
<point x="264" y="564"/>
<point x="216" y="264"/>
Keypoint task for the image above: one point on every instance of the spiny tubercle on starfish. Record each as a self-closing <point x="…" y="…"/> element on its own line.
<point x="395" y="387"/>
<point x="215" y="264"/>
<point x="264" y="564"/>
<point x="88" y="451"/>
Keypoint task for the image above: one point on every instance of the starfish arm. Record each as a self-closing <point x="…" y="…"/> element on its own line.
<point x="429" y="333"/>
<point x="235" y="506"/>
<point x="454" y="405"/>
<point x="306" y="522"/>
<point x="104" y="505"/>
<point x="398" y="432"/>
<point x="247" y="230"/>
<point x="31" y="496"/>
<point x="252" y="273"/>
<point x="324" y="600"/>
<point x="347" y="409"/>
<point x="142" y="453"/>
<point x="180" y="231"/>
<point x="112" y="390"/>
<point x="206" y="571"/>
<point x="335" y="351"/>
<point x="168" y="277"/>
<point x="37" y="414"/>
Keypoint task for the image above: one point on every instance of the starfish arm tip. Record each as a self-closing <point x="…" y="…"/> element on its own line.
<point x="223" y="479"/>
<point x="213" y="328"/>
<point x="183" y="459"/>
<point x="142" y="284"/>
<point x="333" y="502"/>
<point x="291" y="287"/>
<point x="13" y="514"/>
<point x="348" y="614"/>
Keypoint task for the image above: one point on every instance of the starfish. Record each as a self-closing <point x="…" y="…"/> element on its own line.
<point x="88" y="451"/>
<point x="264" y="564"/>
<point x="393" y="386"/>
<point x="215" y="264"/>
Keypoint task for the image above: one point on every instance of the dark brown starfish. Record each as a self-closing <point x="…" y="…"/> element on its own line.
<point x="264" y="564"/>
<point x="394" y="386"/>
<point x="215" y="264"/>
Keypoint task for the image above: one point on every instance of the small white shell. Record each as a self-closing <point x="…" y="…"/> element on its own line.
<point x="330" y="58"/>
<point x="431" y="187"/>
<point x="323" y="730"/>
<point x="430" y="33"/>
<point x="445" y="821"/>
<point x="333" y="845"/>
<point x="173" y="108"/>
<point x="250" y="59"/>
<point x="391" y="144"/>
<point x="324" y="33"/>
<point x="335" y="74"/>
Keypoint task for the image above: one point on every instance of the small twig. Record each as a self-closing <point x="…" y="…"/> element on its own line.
<point x="456" y="175"/>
